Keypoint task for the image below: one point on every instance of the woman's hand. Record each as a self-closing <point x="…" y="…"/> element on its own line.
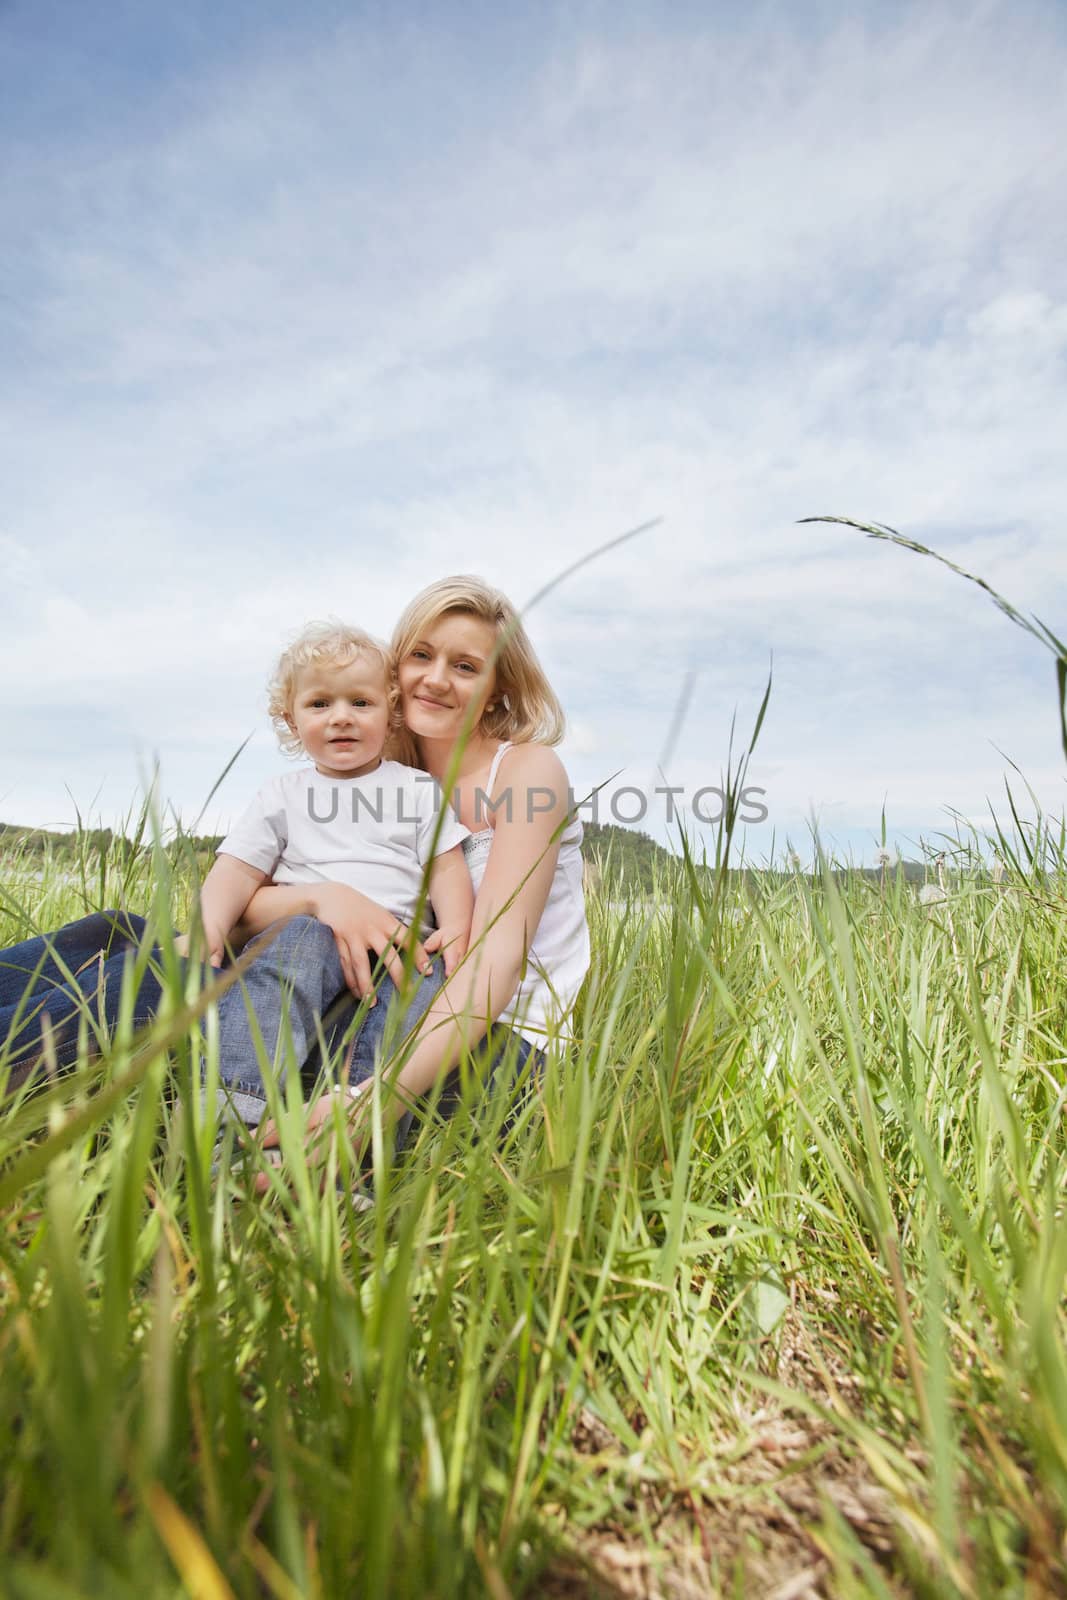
<point x="360" y="925"/>
<point x="352" y="1103"/>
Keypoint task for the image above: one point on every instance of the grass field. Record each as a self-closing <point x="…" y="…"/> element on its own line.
<point x="765" y="1295"/>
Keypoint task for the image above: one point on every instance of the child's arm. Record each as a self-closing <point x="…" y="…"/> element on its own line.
<point x="452" y="898"/>
<point x="226" y="891"/>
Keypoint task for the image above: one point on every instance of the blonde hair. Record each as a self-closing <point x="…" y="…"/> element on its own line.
<point x="523" y="707"/>
<point x="321" y="644"/>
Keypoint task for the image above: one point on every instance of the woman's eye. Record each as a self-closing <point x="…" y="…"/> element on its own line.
<point x="466" y="666"/>
<point x="420" y="655"/>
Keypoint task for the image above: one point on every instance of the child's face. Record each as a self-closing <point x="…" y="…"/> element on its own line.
<point x="340" y="714"/>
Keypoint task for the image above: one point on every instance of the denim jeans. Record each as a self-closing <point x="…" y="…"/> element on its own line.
<point x="39" y="999"/>
<point x="296" y="984"/>
<point x="293" y="1001"/>
<point x="297" y="988"/>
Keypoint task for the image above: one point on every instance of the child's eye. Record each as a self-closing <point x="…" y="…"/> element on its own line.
<point x="361" y="704"/>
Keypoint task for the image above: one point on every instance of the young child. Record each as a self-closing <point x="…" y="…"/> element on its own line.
<point x="350" y="817"/>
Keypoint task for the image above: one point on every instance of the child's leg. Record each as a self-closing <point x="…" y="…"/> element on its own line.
<point x="281" y="999"/>
<point x="388" y="1024"/>
<point x="386" y="1027"/>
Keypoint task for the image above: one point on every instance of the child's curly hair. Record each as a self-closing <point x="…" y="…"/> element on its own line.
<point x="322" y="644"/>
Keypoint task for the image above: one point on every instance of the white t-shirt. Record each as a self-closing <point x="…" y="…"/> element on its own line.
<point x="374" y="833"/>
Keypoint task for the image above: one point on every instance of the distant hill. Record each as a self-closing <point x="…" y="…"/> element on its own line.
<point x="629" y="859"/>
<point x="17" y="840"/>
<point x="624" y="858"/>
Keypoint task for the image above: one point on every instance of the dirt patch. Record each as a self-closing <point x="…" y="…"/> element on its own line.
<point x="753" y="1536"/>
<point x="753" y="1525"/>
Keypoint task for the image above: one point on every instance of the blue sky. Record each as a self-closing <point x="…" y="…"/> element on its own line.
<point x="301" y="309"/>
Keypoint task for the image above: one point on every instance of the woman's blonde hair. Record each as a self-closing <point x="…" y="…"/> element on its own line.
<point x="321" y="644"/>
<point x="523" y="707"/>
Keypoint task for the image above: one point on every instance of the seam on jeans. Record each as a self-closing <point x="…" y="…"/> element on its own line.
<point x="349" y="1057"/>
<point x="252" y="1089"/>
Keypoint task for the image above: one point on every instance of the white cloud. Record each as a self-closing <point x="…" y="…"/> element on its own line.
<point x="347" y="313"/>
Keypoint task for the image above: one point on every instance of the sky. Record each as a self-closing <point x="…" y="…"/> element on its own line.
<point x="302" y="308"/>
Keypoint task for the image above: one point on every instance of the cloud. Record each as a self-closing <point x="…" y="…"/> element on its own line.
<point x="344" y="307"/>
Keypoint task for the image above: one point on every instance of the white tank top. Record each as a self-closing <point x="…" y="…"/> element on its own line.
<point x="558" y="957"/>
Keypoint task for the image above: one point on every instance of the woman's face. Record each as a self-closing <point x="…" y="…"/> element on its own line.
<point x="445" y="669"/>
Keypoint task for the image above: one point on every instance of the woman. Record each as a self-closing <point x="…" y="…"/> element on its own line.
<point x="480" y="715"/>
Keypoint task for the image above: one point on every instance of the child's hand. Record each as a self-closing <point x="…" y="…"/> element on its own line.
<point x="452" y="942"/>
<point x="214" y="942"/>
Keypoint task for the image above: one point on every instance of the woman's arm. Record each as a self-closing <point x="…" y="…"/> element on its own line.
<point x="358" y="923"/>
<point x="507" y="910"/>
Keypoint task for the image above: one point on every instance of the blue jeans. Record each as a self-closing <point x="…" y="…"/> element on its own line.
<point x="294" y="996"/>
<point x="48" y="982"/>
<point x="38" y="998"/>
<point x="296" y="983"/>
<point x="297" y="987"/>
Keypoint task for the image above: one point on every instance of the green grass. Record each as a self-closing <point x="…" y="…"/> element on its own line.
<point x="770" y="1280"/>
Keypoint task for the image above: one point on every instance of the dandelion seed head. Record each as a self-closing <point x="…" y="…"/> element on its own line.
<point x="932" y="894"/>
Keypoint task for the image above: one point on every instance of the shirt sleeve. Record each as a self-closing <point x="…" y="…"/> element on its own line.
<point x="260" y="835"/>
<point x="430" y="808"/>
